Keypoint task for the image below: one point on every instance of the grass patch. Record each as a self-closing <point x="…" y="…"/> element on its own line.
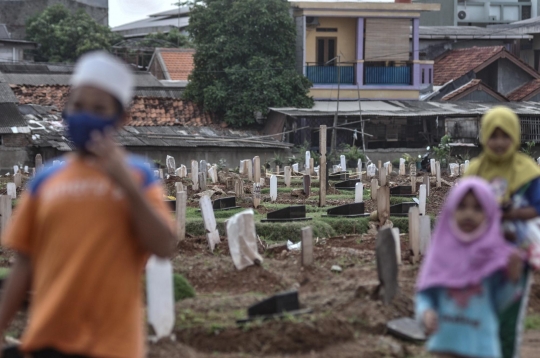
<point x="182" y="288"/>
<point x="532" y="322"/>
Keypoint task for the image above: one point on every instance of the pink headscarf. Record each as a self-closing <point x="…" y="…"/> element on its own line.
<point x="452" y="263"/>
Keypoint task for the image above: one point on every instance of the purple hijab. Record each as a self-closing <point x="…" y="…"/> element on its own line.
<point x="453" y="263"/>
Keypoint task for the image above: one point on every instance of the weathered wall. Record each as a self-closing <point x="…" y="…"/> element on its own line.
<point x="14" y="13"/>
<point x="510" y="77"/>
<point x="346" y="38"/>
<point x="446" y="17"/>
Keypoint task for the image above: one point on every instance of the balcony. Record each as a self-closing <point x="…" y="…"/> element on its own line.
<point x="379" y="74"/>
<point x="326" y="75"/>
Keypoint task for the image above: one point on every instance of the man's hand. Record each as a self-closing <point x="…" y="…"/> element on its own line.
<point x="431" y="322"/>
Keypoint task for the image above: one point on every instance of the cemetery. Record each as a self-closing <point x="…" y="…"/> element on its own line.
<point x="269" y="265"/>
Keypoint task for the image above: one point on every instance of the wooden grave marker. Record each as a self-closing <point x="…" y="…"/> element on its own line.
<point x="307" y="246"/>
<point x="387" y="266"/>
<point x="425" y="233"/>
<point x="195" y="174"/>
<point x="438" y="173"/>
<point x="307" y="185"/>
<point x="256" y="195"/>
<point x="5" y="211"/>
<point x="322" y="166"/>
<point x="257" y="169"/>
<point x="287" y="176"/>
<point x="181" y="200"/>
<point x="374" y="189"/>
<point x="414" y="232"/>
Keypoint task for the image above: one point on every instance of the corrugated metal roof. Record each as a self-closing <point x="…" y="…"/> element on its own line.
<point x="142" y="79"/>
<point x="10" y="116"/>
<point x="408" y="109"/>
<point x="171" y="92"/>
<point x="6" y="94"/>
<point x="469" y="32"/>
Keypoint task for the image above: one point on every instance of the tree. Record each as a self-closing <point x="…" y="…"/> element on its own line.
<point x="174" y="38"/>
<point x="64" y="36"/>
<point x="244" y="60"/>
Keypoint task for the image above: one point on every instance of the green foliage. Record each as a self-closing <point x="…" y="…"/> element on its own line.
<point x="174" y="38"/>
<point x="64" y="36"/>
<point x="532" y="322"/>
<point x="244" y="59"/>
<point x="291" y="160"/>
<point x="442" y="151"/>
<point x="528" y="148"/>
<point x="4" y="273"/>
<point x="409" y="159"/>
<point x="352" y="152"/>
<point x="278" y="159"/>
<point x="182" y="288"/>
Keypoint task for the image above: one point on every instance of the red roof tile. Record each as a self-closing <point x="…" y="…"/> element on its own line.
<point x="474" y="84"/>
<point x="178" y="62"/>
<point x="456" y="63"/>
<point x="461" y="89"/>
<point x="144" y="111"/>
<point x="525" y="91"/>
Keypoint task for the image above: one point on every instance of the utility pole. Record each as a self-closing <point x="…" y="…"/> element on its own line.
<point x="334" y="126"/>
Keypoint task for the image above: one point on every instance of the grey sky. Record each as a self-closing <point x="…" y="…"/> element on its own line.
<point x="124" y="11"/>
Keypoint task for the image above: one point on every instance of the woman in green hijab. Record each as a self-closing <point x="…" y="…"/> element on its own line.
<point x="515" y="178"/>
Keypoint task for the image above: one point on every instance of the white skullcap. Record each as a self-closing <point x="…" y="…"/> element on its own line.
<point x="104" y="71"/>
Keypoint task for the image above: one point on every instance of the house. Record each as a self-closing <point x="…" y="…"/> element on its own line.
<point x="435" y="40"/>
<point x="16" y="13"/>
<point x="362" y="48"/>
<point x="479" y="12"/>
<point x="172" y="64"/>
<point x="482" y="74"/>
<point x="157" y="127"/>
<point x="12" y="50"/>
<point x="160" y="22"/>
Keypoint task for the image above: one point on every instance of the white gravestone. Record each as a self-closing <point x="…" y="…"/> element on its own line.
<point x="295" y="168"/>
<point x="433" y="166"/>
<point x="287" y="176"/>
<point x="402" y="166"/>
<point x="12" y="190"/>
<point x="241" y="167"/>
<point x="160" y="296"/>
<point x="209" y="222"/>
<point x="359" y="167"/>
<point x="195" y="174"/>
<point x="395" y="234"/>
<point x="273" y="188"/>
<point x="243" y="240"/>
<point x="425" y="233"/>
<point x="371" y="170"/>
<point x="358" y="192"/>
<point x="422" y="206"/>
<point x="308" y="157"/>
<point x="171" y="165"/>
<point x="466" y="166"/>
<point x="15" y="169"/>
<point x="343" y="163"/>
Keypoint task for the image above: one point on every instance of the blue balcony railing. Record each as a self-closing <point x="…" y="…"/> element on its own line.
<point x="321" y="75"/>
<point x="387" y="75"/>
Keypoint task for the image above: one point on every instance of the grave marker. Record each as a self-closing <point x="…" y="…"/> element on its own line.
<point x="156" y="174"/>
<point x="202" y="181"/>
<point x="256" y="195"/>
<point x="307" y="185"/>
<point x="12" y="190"/>
<point x="17" y="178"/>
<point x="412" y="171"/>
<point x="287" y="176"/>
<point x="461" y="169"/>
<point x="402" y="166"/>
<point x="273" y="188"/>
<point x="359" y="193"/>
<point x="383" y="204"/>
<point x="212" y="172"/>
<point x="241" y="167"/>
<point x="308" y="161"/>
<point x="160" y="296"/>
<point x="382" y="177"/>
<point x="311" y="166"/>
<point x="466" y="166"/>
<point x="343" y="163"/>
<point x="374" y="188"/>
<point x="171" y="165"/>
<point x="195" y="174"/>
<point x="26" y="169"/>
<point x="323" y="172"/>
<point x="242" y="240"/>
<point x="425" y="233"/>
<point x="294" y="168"/>
<point x="161" y="173"/>
<point x="307" y="246"/>
<point x="203" y="166"/>
<point x="371" y="170"/>
<point x="249" y="164"/>
<point x="5" y="211"/>
<point x="39" y="163"/>
<point x="359" y="168"/>
<point x="427" y="183"/>
<point x="15" y="169"/>
<point x="395" y="234"/>
<point x="379" y="165"/>
<point x="422" y="205"/>
<point x="387" y="266"/>
<point x="432" y="166"/>
<point x="239" y="188"/>
<point x="454" y="169"/>
<point x="277" y="170"/>
<point x="414" y="232"/>
<point x="438" y="171"/>
<point x="257" y="169"/>
<point x="179" y="187"/>
<point x="181" y="200"/>
<point x="209" y="222"/>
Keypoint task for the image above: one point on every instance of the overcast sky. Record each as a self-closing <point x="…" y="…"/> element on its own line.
<point x="124" y="11"/>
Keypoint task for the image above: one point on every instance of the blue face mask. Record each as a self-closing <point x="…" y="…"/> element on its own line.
<point x="80" y="125"/>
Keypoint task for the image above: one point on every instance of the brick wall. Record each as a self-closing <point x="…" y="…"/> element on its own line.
<point x="15" y="140"/>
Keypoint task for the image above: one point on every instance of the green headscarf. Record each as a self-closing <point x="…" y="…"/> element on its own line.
<point x="515" y="168"/>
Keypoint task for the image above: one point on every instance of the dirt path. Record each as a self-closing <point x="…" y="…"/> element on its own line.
<point x="531" y="345"/>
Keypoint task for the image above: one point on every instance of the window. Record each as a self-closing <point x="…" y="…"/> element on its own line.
<point x="525" y="12"/>
<point x="326" y="50"/>
<point x="423" y="75"/>
<point x="326" y="29"/>
<point x="430" y="76"/>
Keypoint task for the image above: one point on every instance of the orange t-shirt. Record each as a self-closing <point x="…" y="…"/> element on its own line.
<point x="74" y="223"/>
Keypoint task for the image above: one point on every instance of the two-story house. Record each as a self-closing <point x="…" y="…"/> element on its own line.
<point x="361" y="48"/>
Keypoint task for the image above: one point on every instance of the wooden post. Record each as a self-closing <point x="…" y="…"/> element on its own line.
<point x="179" y="187"/>
<point x="374" y="189"/>
<point x="427" y="183"/>
<point x="17" y="178"/>
<point x="39" y="163"/>
<point x="379" y="165"/>
<point x="412" y="172"/>
<point x="425" y="233"/>
<point x="414" y="232"/>
<point x="311" y="166"/>
<point x="5" y="211"/>
<point x="307" y="246"/>
<point x="432" y="166"/>
<point x="383" y="204"/>
<point x="395" y="234"/>
<point x="195" y="174"/>
<point x="181" y="199"/>
<point x="287" y="176"/>
<point x="239" y="188"/>
<point x="382" y="178"/>
<point x="438" y="172"/>
<point x="307" y="185"/>
<point x="422" y="206"/>
<point x="322" y="166"/>
<point x="257" y="169"/>
<point x="249" y="164"/>
<point x="209" y="222"/>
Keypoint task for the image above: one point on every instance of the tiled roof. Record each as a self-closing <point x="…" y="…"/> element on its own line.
<point x="144" y="111"/>
<point x="525" y="90"/>
<point x="178" y="62"/>
<point x="456" y="63"/>
<point x="460" y="90"/>
<point x="474" y="84"/>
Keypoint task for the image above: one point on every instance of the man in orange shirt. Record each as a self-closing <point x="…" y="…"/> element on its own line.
<point x="84" y="229"/>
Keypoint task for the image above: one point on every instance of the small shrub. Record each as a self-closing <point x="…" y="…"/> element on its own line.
<point x="182" y="288"/>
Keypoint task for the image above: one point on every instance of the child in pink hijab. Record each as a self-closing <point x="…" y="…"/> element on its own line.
<point x="466" y="278"/>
